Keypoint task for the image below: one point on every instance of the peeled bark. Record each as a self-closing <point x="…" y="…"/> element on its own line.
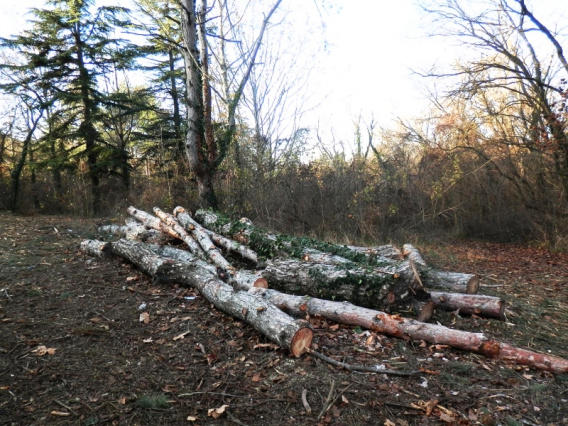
<point x="487" y="306"/>
<point x="287" y="332"/>
<point x="394" y="325"/>
<point x="151" y="222"/>
<point x="366" y="287"/>
<point x="176" y="231"/>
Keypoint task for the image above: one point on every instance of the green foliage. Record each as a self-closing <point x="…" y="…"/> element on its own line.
<point x="153" y="402"/>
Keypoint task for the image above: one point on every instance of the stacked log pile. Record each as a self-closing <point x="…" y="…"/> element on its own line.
<point x="276" y="279"/>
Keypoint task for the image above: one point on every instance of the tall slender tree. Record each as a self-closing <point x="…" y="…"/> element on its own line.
<point x="206" y="149"/>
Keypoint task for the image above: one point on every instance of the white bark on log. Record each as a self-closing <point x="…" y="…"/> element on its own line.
<point x="455" y="281"/>
<point x="134" y="230"/>
<point x="452" y="281"/>
<point x="410" y="252"/>
<point x="242" y="279"/>
<point x="95" y="248"/>
<point x="170" y="221"/>
<point x="487" y="306"/>
<point x="367" y="287"/>
<point x="394" y="325"/>
<point x="199" y="234"/>
<point x="289" y="333"/>
<point x="389" y="251"/>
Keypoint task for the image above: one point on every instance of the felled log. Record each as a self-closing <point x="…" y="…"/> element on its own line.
<point x="292" y="334"/>
<point x="366" y="287"/>
<point x="170" y="221"/>
<point x="234" y="246"/>
<point x="270" y="245"/>
<point x="155" y="223"/>
<point x="394" y="325"/>
<point x="134" y="230"/>
<point x="454" y="281"/>
<point x="487" y="306"/>
<point x="198" y="232"/>
<point x="241" y="279"/>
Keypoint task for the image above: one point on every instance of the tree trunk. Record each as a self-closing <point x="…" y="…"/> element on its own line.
<point x="175" y="101"/>
<point x="263" y="316"/>
<point x="19" y="167"/>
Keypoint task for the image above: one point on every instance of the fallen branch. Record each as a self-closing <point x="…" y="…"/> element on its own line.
<point x="377" y="368"/>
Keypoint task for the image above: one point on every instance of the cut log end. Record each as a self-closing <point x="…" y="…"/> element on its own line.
<point x="301" y="341"/>
<point x="260" y="283"/>
<point x="472" y="285"/>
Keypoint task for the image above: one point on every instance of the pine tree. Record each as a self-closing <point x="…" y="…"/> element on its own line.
<point x="73" y="43"/>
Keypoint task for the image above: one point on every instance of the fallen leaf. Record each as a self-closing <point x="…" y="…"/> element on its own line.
<point x="144" y="317"/>
<point x="59" y="413"/>
<point x="122" y="401"/>
<point x="191" y="418"/>
<point x="344" y="399"/>
<point x="334" y="327"/>
<point x="217" y="412"/>
<point x="256" y="377"/>
<point x="148" y="340"/>
<point x="131" y="278"/>
<point x="389" y="423"/>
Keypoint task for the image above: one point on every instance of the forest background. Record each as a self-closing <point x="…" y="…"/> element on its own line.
<point x="97" y="108"/>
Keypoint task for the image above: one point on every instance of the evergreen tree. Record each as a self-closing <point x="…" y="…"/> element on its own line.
<point x="74" y="44"/>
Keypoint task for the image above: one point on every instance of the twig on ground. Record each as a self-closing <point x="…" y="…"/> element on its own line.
<point x="305" y="402"/>
<point x="328" y="401"/>
<point x="364" y="368"/>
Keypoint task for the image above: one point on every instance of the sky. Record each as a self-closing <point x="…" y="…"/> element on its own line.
<point x="364" y="56"/>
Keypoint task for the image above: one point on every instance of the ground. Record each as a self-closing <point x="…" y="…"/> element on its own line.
<point x="73" y="348"/>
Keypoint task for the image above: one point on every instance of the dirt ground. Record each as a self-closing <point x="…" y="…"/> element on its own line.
<point x="74" y="351"/>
